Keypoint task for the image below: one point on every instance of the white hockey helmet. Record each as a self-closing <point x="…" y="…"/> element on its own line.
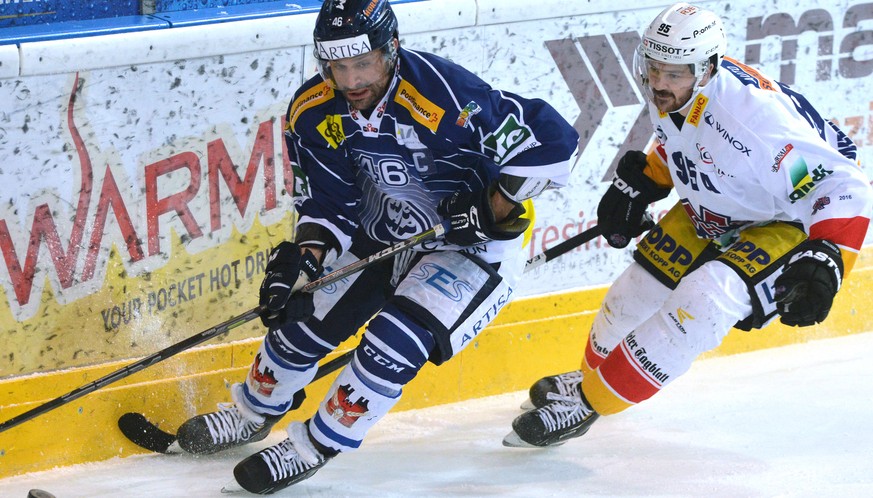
<point x="682" y="34"/>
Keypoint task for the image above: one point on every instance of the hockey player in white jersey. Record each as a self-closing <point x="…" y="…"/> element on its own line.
<point x="773" y="209"/>
<point x="386" y="142"/>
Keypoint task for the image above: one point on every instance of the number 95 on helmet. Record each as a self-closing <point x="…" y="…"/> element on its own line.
<point x="681" y="34"/>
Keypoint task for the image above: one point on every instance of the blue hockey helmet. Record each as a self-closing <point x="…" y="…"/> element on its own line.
<point x="348" y="28"/>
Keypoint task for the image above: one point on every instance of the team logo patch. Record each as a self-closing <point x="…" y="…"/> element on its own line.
<point x="820" y="204"/>
<point x="342" y="409"/>
<point x="467" y="112"/>
<point x="262" y="382"/>
<point x="510" y="139"/>
<point x="332" y="130"/>
<point x="397" y="219"/>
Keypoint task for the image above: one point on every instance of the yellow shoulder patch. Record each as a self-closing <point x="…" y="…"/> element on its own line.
<point x="424" y="111"/>
<point x="697" y="110"/>
<point x="308" y="99"/>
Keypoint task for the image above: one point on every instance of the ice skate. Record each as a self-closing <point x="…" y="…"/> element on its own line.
<point x="234" y="424"/>
<point x="553" y="423"/>
<point x="553" y="387"/>
<point x="277" y="467"/>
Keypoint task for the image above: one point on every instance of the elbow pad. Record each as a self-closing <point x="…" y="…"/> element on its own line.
<point x="518" y="189"/>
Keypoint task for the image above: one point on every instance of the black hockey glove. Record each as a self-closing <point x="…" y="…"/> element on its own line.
<point x="472" y="218"/>
<point x="621" y="214"/>
<point x="806" y="288"/>
<point x="287" y="272"/>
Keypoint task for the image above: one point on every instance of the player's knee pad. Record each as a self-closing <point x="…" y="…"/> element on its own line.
<point x="393" y="350"/>
<point x="297" y="344"/>
<point x="352" y="406"/>
<point x="632" y="299"/>
<point x="704" y="306"/>
<point x="284" y="364"/>
<point x="695" y="318"/>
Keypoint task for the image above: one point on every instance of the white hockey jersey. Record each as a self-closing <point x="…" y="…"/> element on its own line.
<point x="752" y="150"/>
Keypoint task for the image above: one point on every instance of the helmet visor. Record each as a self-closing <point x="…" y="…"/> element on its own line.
<point x="659" y="79"/>
<point x="354" y="71"/>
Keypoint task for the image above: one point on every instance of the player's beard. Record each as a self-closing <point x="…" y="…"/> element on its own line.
<point x="368" y="96"/>
<point x="667" y="101"/>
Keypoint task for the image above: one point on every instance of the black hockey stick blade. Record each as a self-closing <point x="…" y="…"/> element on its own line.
<point x="147" y="435"/>
<point x="38" y="493"/>
<point x="218" y="330"/>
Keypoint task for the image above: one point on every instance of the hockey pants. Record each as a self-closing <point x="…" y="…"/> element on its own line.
<point x="656" y="320"/>
<point x="428" y="308"/>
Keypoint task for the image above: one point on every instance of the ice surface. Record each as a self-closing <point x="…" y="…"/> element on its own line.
<point x="792" y="421"/>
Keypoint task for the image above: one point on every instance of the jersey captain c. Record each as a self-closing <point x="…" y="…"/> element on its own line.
<point x="751" y="150"/>
<point x="439" y="129"/>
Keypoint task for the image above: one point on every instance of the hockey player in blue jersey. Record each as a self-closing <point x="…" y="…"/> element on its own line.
<point x="387" y="142"/>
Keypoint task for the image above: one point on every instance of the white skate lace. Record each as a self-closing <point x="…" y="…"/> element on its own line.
<point x="568" y="387"/>
<point x="563" y="414"/>
<point x="228" y="425"/>
<point x="284" y="461"/>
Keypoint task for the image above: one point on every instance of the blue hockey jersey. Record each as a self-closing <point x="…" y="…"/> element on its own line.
<point x="439" y="129"/>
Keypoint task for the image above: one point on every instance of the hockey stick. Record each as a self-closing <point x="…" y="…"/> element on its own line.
<point x="219" y="329"/>
<point x="577" y="240"/>
<point x="564" y="247"/>
<point x="435" y="232"/>
<point x="146" y="434"/>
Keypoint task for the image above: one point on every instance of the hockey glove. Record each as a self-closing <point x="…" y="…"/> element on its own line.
<point x="472" y="218"/>
<point x="621" y="213"/>
<point x="287" y="272"/>
<point x="806" y="288"/>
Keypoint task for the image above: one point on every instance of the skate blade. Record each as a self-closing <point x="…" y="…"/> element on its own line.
<point x="527" y="405"/>
<point x="513" y="440"/>
<point x="231" y="488"/>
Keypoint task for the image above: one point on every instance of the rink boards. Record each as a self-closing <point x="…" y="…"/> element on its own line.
<point x="144" y="181"/>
